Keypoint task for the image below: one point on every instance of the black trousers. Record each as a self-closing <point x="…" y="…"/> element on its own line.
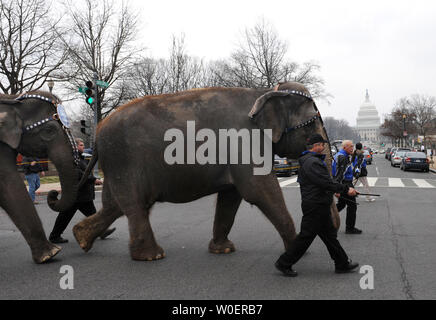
<point x="64" y="217"/>
<point x="350" y="203"/>
<point x="316" y="221"/>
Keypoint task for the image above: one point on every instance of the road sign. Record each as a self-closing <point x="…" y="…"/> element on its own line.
<point x="102" y="84"/>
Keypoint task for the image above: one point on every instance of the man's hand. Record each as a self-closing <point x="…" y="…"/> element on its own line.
<point x="337" y="195"/>
<point x="42" y="173"/>
<point x="33" y="163"/>
<point x="352" y="192"/>
<point x="98" y="182"/>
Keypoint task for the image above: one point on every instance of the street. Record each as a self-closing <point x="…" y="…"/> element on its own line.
<point x="398" y="242"/>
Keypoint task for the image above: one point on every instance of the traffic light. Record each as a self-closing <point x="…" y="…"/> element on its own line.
<point x="90" y="92"/>
<point x="85" y="127"/>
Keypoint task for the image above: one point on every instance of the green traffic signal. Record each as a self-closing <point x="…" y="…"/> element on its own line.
<point x="89" y="92"/>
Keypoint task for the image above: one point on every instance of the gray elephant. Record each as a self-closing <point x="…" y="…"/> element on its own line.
<point x="31" y="125"/>
<point x="133" y="152"/>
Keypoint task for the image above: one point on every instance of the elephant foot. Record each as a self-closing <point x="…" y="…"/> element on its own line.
<point x="225" y="246"/>
<point x="83" y="236"/>
<point x="43" y="256"/>
<point x="142" y="253"/>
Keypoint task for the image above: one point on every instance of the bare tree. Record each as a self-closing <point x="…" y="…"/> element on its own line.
<point x="339" y="129"/>
<point x="178" y="72"/>
<point x="423" y="108"/>
<point x="184" y="71"/>
<point x="260" y="61"/>
<point x="101" y="43"/>
<point x="30" y="47"/>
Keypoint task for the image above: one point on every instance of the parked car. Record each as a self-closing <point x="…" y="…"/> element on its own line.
<point x="415" y="160"/>
<point x="397" y="157"/>
<point x="368" y="156"/>
<point x="395" y="149"/>
<point x="284" y="166"/>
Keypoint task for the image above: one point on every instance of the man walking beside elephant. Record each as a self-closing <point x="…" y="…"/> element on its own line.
<point x="342" y="170"/>
<point x="84" y="202"/>
<point x="317" y="188"/>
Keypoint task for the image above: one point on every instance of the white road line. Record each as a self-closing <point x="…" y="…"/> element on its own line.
<point x="376" y="169"/>
<point x="372" y="181"/>
<point x="395" y="182"/>
<point x="422" y="183"/>
<point x="289" y="181"/>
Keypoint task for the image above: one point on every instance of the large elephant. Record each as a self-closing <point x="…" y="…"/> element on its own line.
<point x="133" y="153"/>
<point x="30" y="125"/>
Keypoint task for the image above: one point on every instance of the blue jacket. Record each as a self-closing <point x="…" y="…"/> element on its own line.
<point x="342" y="169"/>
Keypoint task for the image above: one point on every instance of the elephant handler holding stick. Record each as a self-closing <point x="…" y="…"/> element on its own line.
<point x="317" y="188"/>
<point x="84" y="202"/>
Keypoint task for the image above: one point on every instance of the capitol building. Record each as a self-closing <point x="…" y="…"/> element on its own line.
<point x="368" y="121"/>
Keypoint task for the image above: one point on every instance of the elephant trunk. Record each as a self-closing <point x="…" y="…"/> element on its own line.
<point x="62" y="158"/>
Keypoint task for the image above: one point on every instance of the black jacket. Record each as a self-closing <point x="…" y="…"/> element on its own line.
<point x="316" y="184"/>
<point x="28" y="169"/>
<point x="87" y="192"/>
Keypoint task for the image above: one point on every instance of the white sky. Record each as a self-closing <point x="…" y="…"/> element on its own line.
<point x="387" y="47"/>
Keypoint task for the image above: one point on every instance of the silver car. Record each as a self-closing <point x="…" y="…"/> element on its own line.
<point x="397" y="157"/>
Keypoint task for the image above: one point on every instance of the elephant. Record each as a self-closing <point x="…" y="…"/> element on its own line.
<point x="131" y="147"/>
<point x="30" y="124"/>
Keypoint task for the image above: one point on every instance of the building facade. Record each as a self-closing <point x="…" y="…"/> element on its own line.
<point x="368" y="122"/>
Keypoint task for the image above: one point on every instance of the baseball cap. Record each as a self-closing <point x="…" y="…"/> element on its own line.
<point x="315" y="138"/>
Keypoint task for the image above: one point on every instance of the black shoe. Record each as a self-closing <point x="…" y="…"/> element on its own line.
<point x="349" y="267"/>
<point x="107" y="233"/>
<point x="58" y="240"/>
<point x="288" y="272"/>
<point x="353" y="231"/>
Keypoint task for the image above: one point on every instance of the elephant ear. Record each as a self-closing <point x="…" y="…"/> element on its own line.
<point x="10" y="124"/>
<point x="268" y="112"/>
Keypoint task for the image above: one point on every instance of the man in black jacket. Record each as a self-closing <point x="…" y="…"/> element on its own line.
<point x="84" y="202"/>
<point x="317" y="189"/>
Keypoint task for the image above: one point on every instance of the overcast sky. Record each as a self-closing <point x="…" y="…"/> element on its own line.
<point x="387" y="47"/>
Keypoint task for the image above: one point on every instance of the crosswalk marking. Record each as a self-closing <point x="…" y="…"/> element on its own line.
<point x="422" y="183"/>
<point x="372" y="181"/>
<point x="382" y="182"/>
<point x="395" y="182"/>
<point x="289" y="181"/>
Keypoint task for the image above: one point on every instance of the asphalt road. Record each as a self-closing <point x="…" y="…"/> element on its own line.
<point x="398" y="243"/>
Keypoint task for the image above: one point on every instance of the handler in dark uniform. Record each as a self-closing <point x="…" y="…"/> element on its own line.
<point x="84" y="202"/>
<point x="317" y="189"/>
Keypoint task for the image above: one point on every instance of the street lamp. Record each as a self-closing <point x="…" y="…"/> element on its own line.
<point x="50" y="84"/>
<point x="404" y="129"/>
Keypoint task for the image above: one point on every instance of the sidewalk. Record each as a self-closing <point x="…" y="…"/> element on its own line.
<point x="45" y="188"/>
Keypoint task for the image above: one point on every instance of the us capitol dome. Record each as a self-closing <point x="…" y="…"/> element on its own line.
<point x="368" y="121"/>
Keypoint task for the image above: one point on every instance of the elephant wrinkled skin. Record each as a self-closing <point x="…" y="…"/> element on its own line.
<point x="131" y="151"/>
<point x="44" y="141"/>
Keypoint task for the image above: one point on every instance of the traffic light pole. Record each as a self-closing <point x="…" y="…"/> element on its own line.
<point x="96" y="105"/>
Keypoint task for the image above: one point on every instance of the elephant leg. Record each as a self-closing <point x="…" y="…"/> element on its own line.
<point x="142" y="244"/>
<point x="91" y="227"/>
<point x="16" y="201"/>
<point x="265" y="193"/>
<point x="228" y="202"/>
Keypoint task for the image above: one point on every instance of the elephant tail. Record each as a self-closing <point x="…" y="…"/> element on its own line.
<point x="90" y="166"/>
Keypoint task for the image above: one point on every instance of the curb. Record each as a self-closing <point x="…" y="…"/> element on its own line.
<point x="45" y="192"/>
